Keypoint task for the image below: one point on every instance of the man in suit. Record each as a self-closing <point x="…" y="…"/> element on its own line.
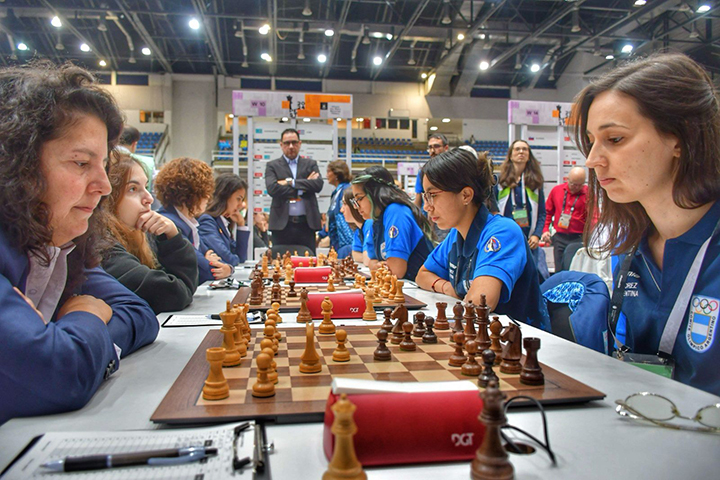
<point x="293" y="183"/>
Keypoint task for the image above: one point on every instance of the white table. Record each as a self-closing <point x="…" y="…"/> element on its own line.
<point x="590" y="440"/>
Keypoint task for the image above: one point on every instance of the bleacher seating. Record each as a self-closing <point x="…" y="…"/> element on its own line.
<point x="148" y="143"/>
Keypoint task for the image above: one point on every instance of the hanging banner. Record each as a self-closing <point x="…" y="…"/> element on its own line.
<point x="291" y="104"/>
<point x="522" y="112"/>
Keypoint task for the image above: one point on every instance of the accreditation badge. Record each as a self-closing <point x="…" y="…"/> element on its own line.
<point x="702" y="320"/>
<point x="564" y="221"/>
<point x="521" y="217"/>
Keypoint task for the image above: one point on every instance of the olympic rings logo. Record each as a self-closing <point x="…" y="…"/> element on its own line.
<point x="704" y="305"/>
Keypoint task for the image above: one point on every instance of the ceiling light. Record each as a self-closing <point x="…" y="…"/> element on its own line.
<point x="101" y="26"/>
<point x="609" y="56"/>
<point x="245" y="64"/>
<point x="703" y="8"/>
<point x="285" y="119"/>
<point x="264" y="30"/>
<point x="366" y="39"/>
<point x="22" y="46"/>
<point x="353" y="68"/>
<point x="575" y="20"/>
<point x="266" y="56"/>
<point x="484" y="65"/>
<point x="481" y="36"/>
<point x="194" y="24"/>
<point x="329" y="32"/>
<point x="132" y="59"/>
<point x="423" y="75"/>
<point x="59" y="45"/>
<point x="446" y="20"/>
<point x="239" y="33"/>
<point x="377" y="34"/>
<point x="411" y="61"/>
<point x="518" y="64"/>
<point x="389" y="36"/>
<point x="84" y="47"/>
<point x="377" y="60"/>
<point x="694" y="33"/>
<point x="640" y="3"/>
<point x="627" y="48"/>
<point x="360" y="119"/>
<point x="55" y="22"/>
<point x="102" y="63"/>
<point x="461" y="37"/>
<point x="301" y="52"/>
<point x="306" y="120"/>
<point x="433" y="128"/>
<point x="231" y="115"/>
<point x="445" y="120"/>
<point x="146" y="51"/>
<point x="535" y="68"/>
<point x="322" y="58"/>
<point x="307" y="11"/>
<point x="338" y="119"/>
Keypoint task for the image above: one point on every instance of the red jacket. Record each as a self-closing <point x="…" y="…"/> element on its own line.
<point x="554" y="208"/>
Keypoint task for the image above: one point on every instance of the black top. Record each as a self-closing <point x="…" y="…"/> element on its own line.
<point x="167" y="288"/>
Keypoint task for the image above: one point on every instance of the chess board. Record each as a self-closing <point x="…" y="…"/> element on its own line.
<point x="302" y="397"/>
<point x="292" y="304"/>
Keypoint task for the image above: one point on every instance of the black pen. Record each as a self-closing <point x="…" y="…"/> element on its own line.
<point x="170" y="456"/>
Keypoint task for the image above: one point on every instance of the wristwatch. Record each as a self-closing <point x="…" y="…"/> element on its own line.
<point x="289" y="181"/>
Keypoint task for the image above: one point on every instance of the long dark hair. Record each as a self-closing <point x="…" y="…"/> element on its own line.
<point x="456" y="169"/>
<point x="381" y="190"/>
<point x="532" y="175"/>
<point x="225" y="185"/>
<point x="39" y="102"/>
<point x="678" y="97"/>
<point x="347" y="196"/>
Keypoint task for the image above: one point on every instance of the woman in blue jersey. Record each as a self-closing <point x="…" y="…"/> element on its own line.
<point x="362" y="247"/>
<point x="339" y="231"/>
<point x="651" y="133"/>
<point x="401" y="233"/>
<point x="222" y="226"/>
<point x="483" y="253"/>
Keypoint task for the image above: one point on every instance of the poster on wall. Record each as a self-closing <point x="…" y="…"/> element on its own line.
<point x="291" y="104"/>
<point x="523" y="112"/>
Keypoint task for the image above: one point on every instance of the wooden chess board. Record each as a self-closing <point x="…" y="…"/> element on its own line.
<point x="302" y="397"/>
<point x="292" y="304"/>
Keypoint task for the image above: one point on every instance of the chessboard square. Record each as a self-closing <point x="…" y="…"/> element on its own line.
<point x="339" y="368"/>
<point x="307" y="394"/>
<point x="237" y="383"/>
<point x="281" y="395"/>
<point x="320" y="379"/>
<point x="412" y="357"/>
<point x="236" y="397"/>
<point x="385" y="367"/>
<point x="237" y="372"/>
<point x="362" y="343"/>
<point x="354" y="360"/>
<point x="441" y="356"/>
<point x="436" y="348"/>
<point x="295" y="360"/>
<point x="326" y="338"/>
<point x="282" y="361"/>
<point x="365" y="350"/>
<point x="363" y="338"/>
<point x="418" y="366"/>
<point x="361" y="376"/>
<point x="395" y="377"/>
<point x="327" y="352"/>
<point x="433" y="375"/>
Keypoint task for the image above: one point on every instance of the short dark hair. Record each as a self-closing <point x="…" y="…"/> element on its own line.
<point x="678" y="97"/>
<point x="40" y="102"/>
<point x="225" y="185"/>
<point x="456" y="169"/>
<point x="289" y="130"/>
<point x="440" y="137"/>
<point x="341" y="170"/>
<point x="129" y="135"/>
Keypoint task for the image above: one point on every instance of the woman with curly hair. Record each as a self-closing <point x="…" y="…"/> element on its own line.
<point x="162" y="269"/>
<point x="401" y="233"/>
<point x="64" y="323"/>
<point x="222" y="226"/>
<point x="184" y="186"/>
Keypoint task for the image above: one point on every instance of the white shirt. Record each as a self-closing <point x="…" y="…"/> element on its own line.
<point x="45" y="284"/>
<point x="193" y="224"/>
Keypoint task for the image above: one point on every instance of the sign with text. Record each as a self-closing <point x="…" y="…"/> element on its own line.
<point x="291" y="104"/>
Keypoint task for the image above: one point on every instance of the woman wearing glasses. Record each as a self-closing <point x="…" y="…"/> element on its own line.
<point x="401" y="233"/>
<point x="362" y="247"/>
<point x="148" y="255"/>
<point x="483" y="253"/>
<point x="339" y="231"/>
<point x="651" y="133"/>
<point x="521" y="196"/>
<point x="222" y="226"/>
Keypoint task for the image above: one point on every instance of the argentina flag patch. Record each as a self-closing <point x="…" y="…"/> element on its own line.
<point x="701" y="322"/>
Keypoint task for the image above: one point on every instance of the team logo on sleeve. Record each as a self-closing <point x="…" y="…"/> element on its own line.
<point x="492" y="245"/>
<point x="393" y="232"/>
<point x="701" y="322"/>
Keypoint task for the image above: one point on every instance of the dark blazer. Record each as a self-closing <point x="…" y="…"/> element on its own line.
<point x="279" y="169"/>
<point x="213" y="232"/>
<point x="58" y="367"/>
<point x="204" y="268"/>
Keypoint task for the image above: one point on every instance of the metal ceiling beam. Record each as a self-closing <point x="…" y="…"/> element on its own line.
<point x="140" y="29"/>
<point x="209" y="33"/>
<point x="469" y="74"/>
<point x="410" y="23"/>
<point x="66" y="23"/>
<point x="336" y="38"/>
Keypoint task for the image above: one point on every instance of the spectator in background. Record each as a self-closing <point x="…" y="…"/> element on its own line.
<point x="222" y="226"/>
<point x="340" y="233"/>
<point x="437" y="144"/>
<point x="566" y="204"/>
<point x="260" y="229"/>
<point x="127" y="144"/>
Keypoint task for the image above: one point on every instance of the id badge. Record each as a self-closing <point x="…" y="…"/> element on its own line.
<point x="521" y="217"/>
<point x="294" y="200"/>
<point x="664" y="367"/>
<point x="564" y="221"/>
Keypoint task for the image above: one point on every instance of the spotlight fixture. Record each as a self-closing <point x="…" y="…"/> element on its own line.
<point x="640" y="3"/>
<point x="353" y="67"/>
<point x="132" y="59"/>
<point x="245" y="64"/>
<point x="306" y="120"/>
<point x="102" y="26"/>
<point x="285" y="119"/>
<point x="22" y="47"/>
<point x="102" y="63"/>
<point x="146" y="51"/>
<point x="266" y="56"/>
<point x="575" y="20"/>
<point x="703" y="8"/>
<point x="446" y="20"/>
<point x="366" y="39"/>
<point x="264" y="30"/>
<point x="301" y="52"/>
<point x="518" y="63"/>
<point x="329" y="32"/>
<point x="194" y="24"/>
<point x="627" y="48"/>
<point x="445" y="120"/>
<point x="239" y="33"/>
<point x="55" y="22"/>
<point x="389" y="36"/>
<point x="609" y="57"/>
<point x="433" y="128"/>
<point x="535" y="68"/>
<point x="84" y="47"/>
<point x="423" y="75"/>
<point x="322" y="58"/>
<point x="59" y="45"/>
<point x="307" y="11"/>
<point x="484" y="65"/>
<point x="377" y="60"/>
<point x="460" y="37"/>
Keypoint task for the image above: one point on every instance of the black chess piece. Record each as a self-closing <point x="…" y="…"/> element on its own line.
<point x="488" y="358"/>
<point x="441" y="323"/>
<point x="419" y="329"/>
<point x="387" y="324"/>
<point x="457" y="316"/>
<point x="429" y="336"/>
<point x="382" y="352"/>
<point x="292" y="293"/>
<point x="458" y="357"/>
<point x="407" y="343"/>
<point x="531" y="371"/>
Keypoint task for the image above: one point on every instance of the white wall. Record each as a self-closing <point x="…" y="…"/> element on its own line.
<point x="193" y="132"/>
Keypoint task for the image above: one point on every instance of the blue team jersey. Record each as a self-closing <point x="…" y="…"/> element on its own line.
<point x="650" y="295"/>
<point x="363" y="239"/>
<point x="397" y="234"/>
<point x="495" y="247"/>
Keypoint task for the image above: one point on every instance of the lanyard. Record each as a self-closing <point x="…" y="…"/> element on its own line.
<point x="522" y="189"/>
<point x="572" y="209"/>
<point x="674" y="321"/>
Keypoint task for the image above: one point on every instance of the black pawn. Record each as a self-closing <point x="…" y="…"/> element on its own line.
<point x="488" y="357"/>
<point x="382" y="352"/>
<point x="429" y="336"/>
<point x="457" y="316"/>
<point x="292" y="293"/>
<point x="387" y="324"/>
<point x="419" y="329"/>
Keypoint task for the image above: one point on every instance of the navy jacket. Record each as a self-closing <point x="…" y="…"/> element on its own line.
<point x="58" y="367"/>
<point x="204" y="268"/>
<point x="216" y="236"/>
